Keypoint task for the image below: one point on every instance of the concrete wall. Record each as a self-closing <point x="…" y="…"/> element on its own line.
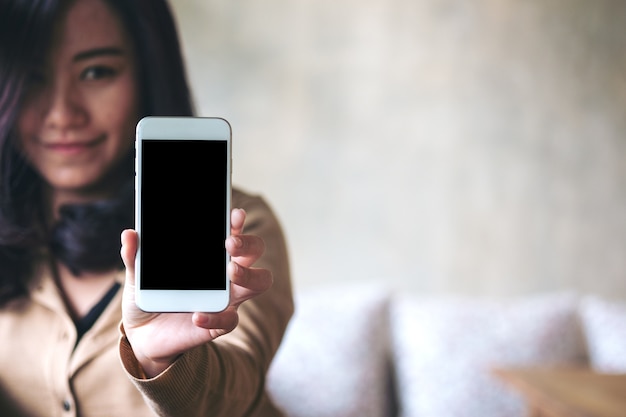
<point x="437" y="145"/>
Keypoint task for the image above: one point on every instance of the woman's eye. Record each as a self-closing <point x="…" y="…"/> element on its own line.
<point x="96" y="73"/>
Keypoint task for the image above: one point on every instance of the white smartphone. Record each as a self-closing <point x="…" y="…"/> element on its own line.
<point x="182" y="213"/>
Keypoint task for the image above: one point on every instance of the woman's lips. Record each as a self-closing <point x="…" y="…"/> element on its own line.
<point x="72" y="148"/>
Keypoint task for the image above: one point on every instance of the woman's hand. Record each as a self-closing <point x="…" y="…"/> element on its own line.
<point x="158" y="339"/>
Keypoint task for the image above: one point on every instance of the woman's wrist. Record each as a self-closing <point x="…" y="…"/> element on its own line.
<point x="148" y="368"/>
<point x="152" y="368"/>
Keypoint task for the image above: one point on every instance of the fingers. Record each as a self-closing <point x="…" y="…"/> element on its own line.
<point x="224" y="321"/>
<point x="245" y="250"/>
<point x="247" y="282"/>
<point x="248" y="248"/>
<point x="237" y="220"/>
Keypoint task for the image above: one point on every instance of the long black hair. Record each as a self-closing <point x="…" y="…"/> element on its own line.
<point x="87" y="236"/>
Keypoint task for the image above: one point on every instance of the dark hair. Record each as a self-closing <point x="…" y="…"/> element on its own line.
<point x="86" y="236"/>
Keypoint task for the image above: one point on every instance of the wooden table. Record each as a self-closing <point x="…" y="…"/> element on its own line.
<point x="568" y="392"/>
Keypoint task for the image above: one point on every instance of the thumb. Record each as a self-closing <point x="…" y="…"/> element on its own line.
<point x="129" y="251"/>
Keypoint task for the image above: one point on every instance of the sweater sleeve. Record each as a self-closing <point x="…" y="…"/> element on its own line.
<point x="226" y="377"/>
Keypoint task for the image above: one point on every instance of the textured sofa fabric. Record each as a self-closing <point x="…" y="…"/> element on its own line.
<point x="369" y="352"/>
<point x="604" y="324"/>
<point x="445" y="349"/>
<point x="334" y="361"/>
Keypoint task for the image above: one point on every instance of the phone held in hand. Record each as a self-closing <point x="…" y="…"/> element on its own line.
<point x="182" y="213"/>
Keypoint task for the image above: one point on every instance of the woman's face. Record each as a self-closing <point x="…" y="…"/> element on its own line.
<point x="78" y="117"/>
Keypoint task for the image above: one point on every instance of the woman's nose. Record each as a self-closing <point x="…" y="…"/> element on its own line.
<point x="66" y="107"/>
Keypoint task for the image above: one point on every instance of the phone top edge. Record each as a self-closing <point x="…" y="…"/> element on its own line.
<point x="183" y="127"/>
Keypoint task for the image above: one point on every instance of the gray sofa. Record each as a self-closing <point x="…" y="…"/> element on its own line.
<point x="368" y="352"/>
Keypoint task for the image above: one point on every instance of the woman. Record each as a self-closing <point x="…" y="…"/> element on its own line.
<point x="75" y="77"/>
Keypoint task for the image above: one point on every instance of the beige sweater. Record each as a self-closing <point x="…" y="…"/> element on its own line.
<point x="43" y="374"/>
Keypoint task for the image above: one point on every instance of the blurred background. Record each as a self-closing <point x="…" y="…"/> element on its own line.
<point x="435" y="146"/>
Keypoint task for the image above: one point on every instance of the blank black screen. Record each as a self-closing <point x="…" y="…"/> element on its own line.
<point x="183" y="214"/>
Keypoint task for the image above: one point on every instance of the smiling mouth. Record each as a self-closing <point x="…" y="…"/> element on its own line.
<point x="74" y="147"/>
